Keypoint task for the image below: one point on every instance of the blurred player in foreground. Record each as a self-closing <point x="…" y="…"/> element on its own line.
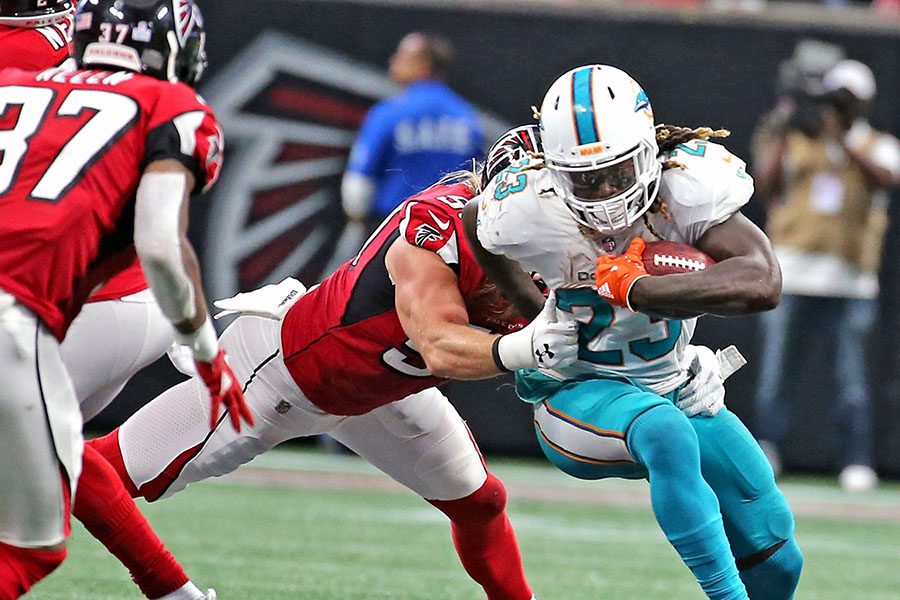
<point x="93" y="163"/>
<point x="577" y="215"/>
<point x="359" y="357"/>
<point x="119" y="331"/>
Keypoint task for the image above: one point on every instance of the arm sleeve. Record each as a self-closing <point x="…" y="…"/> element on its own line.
<point x="157" y="240"/>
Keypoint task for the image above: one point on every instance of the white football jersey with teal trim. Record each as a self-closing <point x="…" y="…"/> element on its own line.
<point x="522" y="217"/>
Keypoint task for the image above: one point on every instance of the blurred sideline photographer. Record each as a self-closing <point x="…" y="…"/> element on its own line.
<point x="408" y="141"/>
<point x="826" y="172"/>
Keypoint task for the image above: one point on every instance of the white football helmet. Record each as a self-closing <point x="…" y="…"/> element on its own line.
<point x="600" y="146"/>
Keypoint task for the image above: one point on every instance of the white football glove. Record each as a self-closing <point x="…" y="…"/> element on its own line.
<point x="549" y="341"/>
<point x="270" y="301"/>
<point x="704" y="393"/>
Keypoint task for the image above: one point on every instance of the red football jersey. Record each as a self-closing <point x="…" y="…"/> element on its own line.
<point x="35" y="49"/>
<point x="343" y="342"/>
<point x="44" y="48"/>
<point x="129" y="281"/>
<point x="74" y="146"/>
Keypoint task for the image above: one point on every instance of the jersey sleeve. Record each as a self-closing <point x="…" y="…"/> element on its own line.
<point x="369" y="153"/>
<point x="712" y="186"/>
<point x="184" y="128"/>
<point x="435" y="225"/>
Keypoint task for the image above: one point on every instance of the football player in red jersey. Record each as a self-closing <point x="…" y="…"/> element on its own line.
<point x="360" y="357"/>
<point x="95" y="166"/>
<point x="100" y="358"/>
<point x="35" y="34"/>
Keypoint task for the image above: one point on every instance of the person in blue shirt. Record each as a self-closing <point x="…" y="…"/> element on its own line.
<point x="408" y="141"/>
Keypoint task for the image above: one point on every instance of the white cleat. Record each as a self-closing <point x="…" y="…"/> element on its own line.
<point x="210" y="594"/>
<point x="858" y="478"/>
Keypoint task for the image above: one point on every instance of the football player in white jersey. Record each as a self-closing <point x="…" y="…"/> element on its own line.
<point x="579" y="213"/>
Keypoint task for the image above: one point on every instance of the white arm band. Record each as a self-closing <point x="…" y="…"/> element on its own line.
<point x="356" y="195"/>
<point x="157" y="239"/>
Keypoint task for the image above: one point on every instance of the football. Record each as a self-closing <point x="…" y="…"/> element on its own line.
<point x="667" y="258"/>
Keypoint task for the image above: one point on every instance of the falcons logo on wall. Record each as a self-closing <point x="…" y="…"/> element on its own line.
<point x="290" y="111"/>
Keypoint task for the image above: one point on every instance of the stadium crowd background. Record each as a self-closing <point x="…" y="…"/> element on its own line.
<point x="293" y="83"/>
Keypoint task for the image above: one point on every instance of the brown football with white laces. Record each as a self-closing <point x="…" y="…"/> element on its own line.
<point x="668" y="258"/>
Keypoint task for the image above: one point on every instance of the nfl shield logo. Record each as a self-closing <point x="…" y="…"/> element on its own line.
<point x="608" y="244"/>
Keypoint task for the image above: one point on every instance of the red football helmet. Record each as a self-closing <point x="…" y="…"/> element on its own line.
<point x="34" y="13"/>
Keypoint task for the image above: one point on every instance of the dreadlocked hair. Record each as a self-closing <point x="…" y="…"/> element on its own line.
<point x="668" y="138"/>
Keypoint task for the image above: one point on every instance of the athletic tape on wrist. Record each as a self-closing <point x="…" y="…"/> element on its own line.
<point x="203" y="342"/>
<point x="495" y="354"/>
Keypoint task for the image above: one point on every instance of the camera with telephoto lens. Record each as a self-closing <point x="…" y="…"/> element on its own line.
<point x="807" y="115"/>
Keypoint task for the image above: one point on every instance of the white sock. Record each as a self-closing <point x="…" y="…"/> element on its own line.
<point x="188" y="591"/>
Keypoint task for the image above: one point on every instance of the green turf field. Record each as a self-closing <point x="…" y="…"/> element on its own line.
<point x="303" y="525"/>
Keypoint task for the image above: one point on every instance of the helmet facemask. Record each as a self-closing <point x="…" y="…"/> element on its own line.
<point x="192" y="61"/>
<point x="611" y="194"/>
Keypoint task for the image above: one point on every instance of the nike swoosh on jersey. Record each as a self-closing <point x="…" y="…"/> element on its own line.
<point x="444" y="225"/>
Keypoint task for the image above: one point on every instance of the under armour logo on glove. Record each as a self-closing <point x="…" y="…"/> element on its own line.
<point x="530" y="347"/>
<point x="546" y="353"/>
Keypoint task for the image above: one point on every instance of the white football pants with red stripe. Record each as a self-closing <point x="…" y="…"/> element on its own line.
<point x="420" y="441"/>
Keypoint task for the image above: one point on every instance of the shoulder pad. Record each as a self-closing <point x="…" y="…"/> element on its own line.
<point x="711" y="184"/>
<point x="509" y="208"/>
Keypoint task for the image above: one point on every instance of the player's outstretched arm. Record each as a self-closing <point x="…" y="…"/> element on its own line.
<point x="745" y="279"/>
<point x="517" y="286"/>
<point x="173" y="273"/>
<point x="433" y="314"/>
